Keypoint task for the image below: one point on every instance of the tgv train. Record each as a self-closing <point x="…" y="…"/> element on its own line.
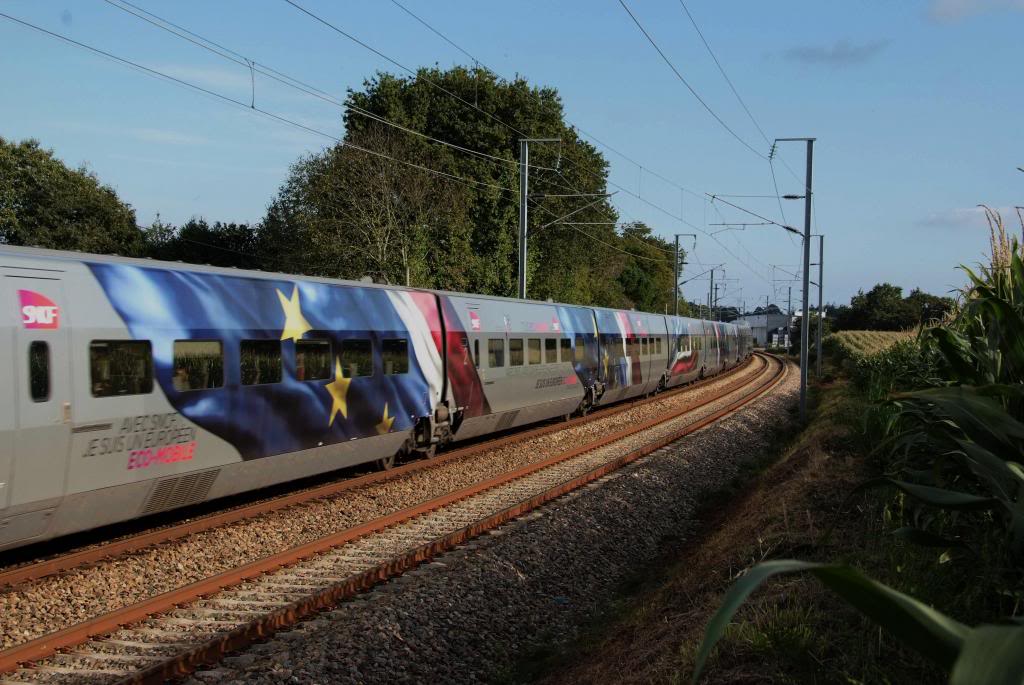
<point x="130" y="386"/>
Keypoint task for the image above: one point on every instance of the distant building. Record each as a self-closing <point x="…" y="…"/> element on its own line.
<point x="763" y="326"/>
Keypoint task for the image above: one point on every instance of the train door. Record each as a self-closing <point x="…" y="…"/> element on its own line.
<point x="42" y="394"/>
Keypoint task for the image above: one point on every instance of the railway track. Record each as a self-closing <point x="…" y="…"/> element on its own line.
<point x="134" y="543"/>
<point x="170" y="634"/>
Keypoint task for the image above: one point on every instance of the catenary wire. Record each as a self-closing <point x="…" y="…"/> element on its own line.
<point x="225" y="98"/>
<point x="686" y="83"/>
<point x="722" y="71"/>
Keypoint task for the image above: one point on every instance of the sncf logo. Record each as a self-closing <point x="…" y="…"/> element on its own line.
<point x="38" y="311"/>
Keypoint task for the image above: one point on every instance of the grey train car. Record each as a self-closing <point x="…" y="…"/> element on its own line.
<point x="134" y="386"/>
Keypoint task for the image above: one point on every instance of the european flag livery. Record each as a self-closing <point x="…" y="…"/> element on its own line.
<point x="164" y="306"/>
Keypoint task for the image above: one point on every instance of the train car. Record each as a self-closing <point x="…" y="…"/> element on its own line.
<point x="134" y="386"/>
<point x="687" y="356"/>
<point x="634" y="353"/>
<point x="746" y="338"/>
<point x="529" y="361"/>
<point x="142" y="387"/>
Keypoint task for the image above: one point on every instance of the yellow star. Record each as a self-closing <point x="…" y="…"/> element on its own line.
<point x="385" y="423"/>
<point x="338" y="389"/>
<point x="295" y="325"/>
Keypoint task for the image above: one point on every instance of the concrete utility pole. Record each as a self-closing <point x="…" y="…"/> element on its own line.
<point x="524" y="185"/>
<point x="675" y="278"/>
<point x="821" y="313"/>
<point x="711" y="286"/>
<point x="789" y="321"/>
<point x="678" y="264"/>
<point x="804" y="332"/>
<point x="766" y="322"/>
<point x="718" y="312"/>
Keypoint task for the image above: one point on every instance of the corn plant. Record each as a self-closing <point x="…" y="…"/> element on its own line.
<point x="983" y="655"/>
<point x="955" y="446"/>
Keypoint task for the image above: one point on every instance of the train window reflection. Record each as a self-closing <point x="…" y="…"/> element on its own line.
<point x="120" y="367"/>
<point x="395" y="356"/>
<point x="313" y="360"/>
<point x="261" y="362"/>
<point x="515" y="352"/>
<point x="39" y="371"/>
<point x="198" y="365"/>
<point x="496" y="353"/>
<point x="356" y="358"/>
<point x="535" y="350"/>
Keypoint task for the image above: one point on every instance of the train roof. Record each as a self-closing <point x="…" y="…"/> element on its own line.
<point x="45" y="254"/>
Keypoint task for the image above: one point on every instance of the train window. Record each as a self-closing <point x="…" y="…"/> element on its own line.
<point x="356" y="358"/>
<point x="581" y="348"/>
<point x="534" y="347"/>
<point x="313" y="360"/>
<point x="657" y="345"/>
<point x="643" y="345"/>
<point x="515" y="352"/>
<point x="120" y="367"/>
<point x="495" y="353"/>
<point x="476" y="353"/>
<point x="260" y="362"/>
<point x="550" y="351"/>
<point x="566" y="346"/>
<point x="39" y="371"/>
<point x="395" y="356"/>
<point x="198" y="365"/>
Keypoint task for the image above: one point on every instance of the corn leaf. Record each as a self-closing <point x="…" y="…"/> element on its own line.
<point x="927" y="631"/>
<point x="991" y="655"/>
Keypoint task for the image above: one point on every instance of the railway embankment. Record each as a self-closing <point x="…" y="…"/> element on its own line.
<point x="528" y="588"/>
<point x="801" y="504"/>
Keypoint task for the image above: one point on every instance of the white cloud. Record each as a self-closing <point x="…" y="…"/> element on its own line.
<point x="967" y="217"/>
<point x="955" y="10"/>
<point x="164" y="136"/>
<point x="840" y="54"/>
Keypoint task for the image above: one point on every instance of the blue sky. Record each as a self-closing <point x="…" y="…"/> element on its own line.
<point x="917" y="108"/>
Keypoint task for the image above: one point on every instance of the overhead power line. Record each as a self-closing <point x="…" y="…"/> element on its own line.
<point x="290" y="81"/>
<point x="686" y="83"/>
<point x="724" y="75"/>
<point x="759" y="216"/>
<point x="225" y="98"/>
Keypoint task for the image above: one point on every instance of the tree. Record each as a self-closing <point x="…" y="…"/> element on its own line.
<point x="647" y="273"/>
<point x="46" y="204"/>
<point x="884" y="308"/>
<point x="348" y="213"/>
<point x="448" y="232"/>
<point x="197" y="242"/>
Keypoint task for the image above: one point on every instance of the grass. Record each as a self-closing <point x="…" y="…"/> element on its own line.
<point x="793" y="630"/>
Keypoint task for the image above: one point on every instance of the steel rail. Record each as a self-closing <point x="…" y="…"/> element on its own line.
<point x="138" y="542"/>
<point x="261" y="627"/>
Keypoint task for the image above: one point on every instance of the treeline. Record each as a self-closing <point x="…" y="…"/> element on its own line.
<point x="369" y="207"/>
<point x="884" y="308"/>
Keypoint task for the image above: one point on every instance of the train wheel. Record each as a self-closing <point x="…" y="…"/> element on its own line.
<point x="387" y="463"/>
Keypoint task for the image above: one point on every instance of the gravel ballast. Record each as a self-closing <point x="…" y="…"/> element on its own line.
<point x="471" y="613"/>
<point x="50" y="604"/>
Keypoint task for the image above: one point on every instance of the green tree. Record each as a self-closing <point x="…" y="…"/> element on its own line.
<point x="455" y="235"/>
<point x="219" y="244"/>
<point x="646" y="276"/>
<point x="46" y="204"/>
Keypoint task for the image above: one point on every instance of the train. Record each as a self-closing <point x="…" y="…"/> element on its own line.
<point x="134" y="386"/>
